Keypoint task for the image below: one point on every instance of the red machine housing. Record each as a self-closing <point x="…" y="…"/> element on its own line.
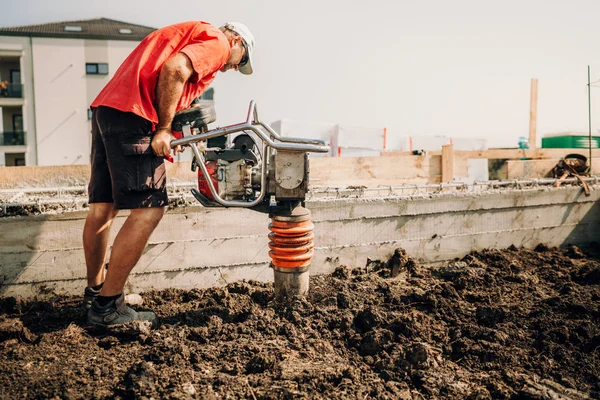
<point x="212" y="168"/>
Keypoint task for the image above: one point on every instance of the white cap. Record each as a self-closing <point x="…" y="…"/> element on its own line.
<point x="248" y="38"/>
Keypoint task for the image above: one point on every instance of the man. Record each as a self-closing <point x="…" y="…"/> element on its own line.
<point x="131" y="129"/>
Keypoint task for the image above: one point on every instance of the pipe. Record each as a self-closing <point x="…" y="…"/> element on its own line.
<point x="35" y="138"/>
<point x="272" y="139"/>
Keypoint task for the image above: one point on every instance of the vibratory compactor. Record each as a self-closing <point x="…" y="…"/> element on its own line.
<point x="249" y="165"/>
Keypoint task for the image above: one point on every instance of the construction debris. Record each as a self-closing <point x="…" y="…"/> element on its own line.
<point x="572" y="166"/>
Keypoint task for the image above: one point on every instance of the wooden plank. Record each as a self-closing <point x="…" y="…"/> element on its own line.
<point x="73" y="175"/>
<point x="447" y="163"/>
<point x="506" y="153"/>
<point x="517" y="169"/>
<point x="373" y="171"/>
<point x="533" y="113"/>
<point x="49" y="176"/>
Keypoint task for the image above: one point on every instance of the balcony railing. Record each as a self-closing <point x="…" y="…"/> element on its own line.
<point x="13" y="90"/>
<point x="12" y="138"/>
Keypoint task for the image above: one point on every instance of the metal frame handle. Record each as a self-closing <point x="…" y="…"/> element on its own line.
<point x="270" y="139"/>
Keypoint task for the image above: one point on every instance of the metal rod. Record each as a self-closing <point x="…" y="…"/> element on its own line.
<point x="289" y="139"/>
<point x="590" y="117"/>
<point x="46" y="189"/>
<point x="524" y="182"/>
<point x="323" y="192"/>
<point x="304" y="145"/>
<point x="184" y="185"/>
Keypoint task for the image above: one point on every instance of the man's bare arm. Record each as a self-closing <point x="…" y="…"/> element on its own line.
<point x="174" y="73"/>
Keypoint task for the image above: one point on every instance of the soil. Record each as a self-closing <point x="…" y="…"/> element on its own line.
<point x="501" y="324"/>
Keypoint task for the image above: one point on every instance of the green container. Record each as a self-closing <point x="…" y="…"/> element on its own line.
<point x="570" y="141"/>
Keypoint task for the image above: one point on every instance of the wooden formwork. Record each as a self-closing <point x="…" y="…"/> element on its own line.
<point x="503" y="163"/>
<point x="391" y="169"/>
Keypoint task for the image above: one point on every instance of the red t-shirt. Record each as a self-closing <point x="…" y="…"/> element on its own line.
<point x="133" y="87"/>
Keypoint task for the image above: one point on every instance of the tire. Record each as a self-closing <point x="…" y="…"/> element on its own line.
<point x="200" y="113"/>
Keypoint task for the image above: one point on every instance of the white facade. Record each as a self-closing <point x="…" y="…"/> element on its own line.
<point x="56" y="94"/>
<point x="360" y="141"/>
<point x="365" y="141"/>
<point x="343" y="140"/>
<point x="461" y="143"/>
<point x="308" y="130"/>
<point x="429" y="143"/>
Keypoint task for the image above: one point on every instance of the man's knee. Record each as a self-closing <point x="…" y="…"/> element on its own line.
<point x="102" y="212"/>
<point x="150" y="215"/>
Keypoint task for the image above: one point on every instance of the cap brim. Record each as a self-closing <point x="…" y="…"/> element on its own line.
<point x="247" y="68"/>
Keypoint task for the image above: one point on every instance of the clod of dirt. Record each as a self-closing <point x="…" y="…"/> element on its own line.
<point x="141" y="380"/>
<point x="10" y="305"/>
<point x="398" y="262"/>
<point x="14" y="329"/>
<point x="423" y="355"/>
<point x="260" y="363"/>
<point x="376" y="341"/>
<point x="490" y="316"/>
<point x="575" y="252"/>
<point x="341" y="272"/>
<point x="541" y="248"/>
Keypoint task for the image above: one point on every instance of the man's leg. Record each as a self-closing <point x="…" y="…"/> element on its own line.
<point x="137" y="179"/>
<point x="109" y="307"/>
<point x="96" y="232"/>
<point x="128" y="247"/>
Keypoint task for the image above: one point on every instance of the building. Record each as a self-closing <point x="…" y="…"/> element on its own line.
<point x="49" y="75"/>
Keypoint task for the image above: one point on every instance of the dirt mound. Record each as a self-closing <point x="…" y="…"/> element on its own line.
<point x="496" y="324"/>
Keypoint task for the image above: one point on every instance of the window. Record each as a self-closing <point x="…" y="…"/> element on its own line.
<point x="208" y="94"/>
<point x="17" y="120"/>
<point x="14" y="159"/>
<point x="125" y="31"/>
<point x="89" y="113"/>
<point x="96" y="68"/>
<point x="72" y="28"/>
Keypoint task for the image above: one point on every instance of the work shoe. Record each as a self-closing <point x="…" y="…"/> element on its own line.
<point x="89" y="295"/>
<point x="117" y="312"/>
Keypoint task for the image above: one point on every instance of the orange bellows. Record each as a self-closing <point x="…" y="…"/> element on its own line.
<point x="291" y="243"/>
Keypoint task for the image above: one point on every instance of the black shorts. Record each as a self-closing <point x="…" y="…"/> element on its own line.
<point x="125" y="170"/>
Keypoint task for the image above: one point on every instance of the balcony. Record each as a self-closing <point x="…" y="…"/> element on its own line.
<point x="12" y="138"/>
<point x="11" y="90"/>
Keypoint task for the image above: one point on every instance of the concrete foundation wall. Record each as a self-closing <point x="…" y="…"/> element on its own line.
<point x="198" y="247"/>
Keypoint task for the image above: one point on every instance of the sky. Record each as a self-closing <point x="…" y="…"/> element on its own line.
<point x="460" y="68"/>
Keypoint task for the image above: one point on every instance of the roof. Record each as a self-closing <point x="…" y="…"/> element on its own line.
<point x="100" y="28"/>
<point x="570" y="134"/>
